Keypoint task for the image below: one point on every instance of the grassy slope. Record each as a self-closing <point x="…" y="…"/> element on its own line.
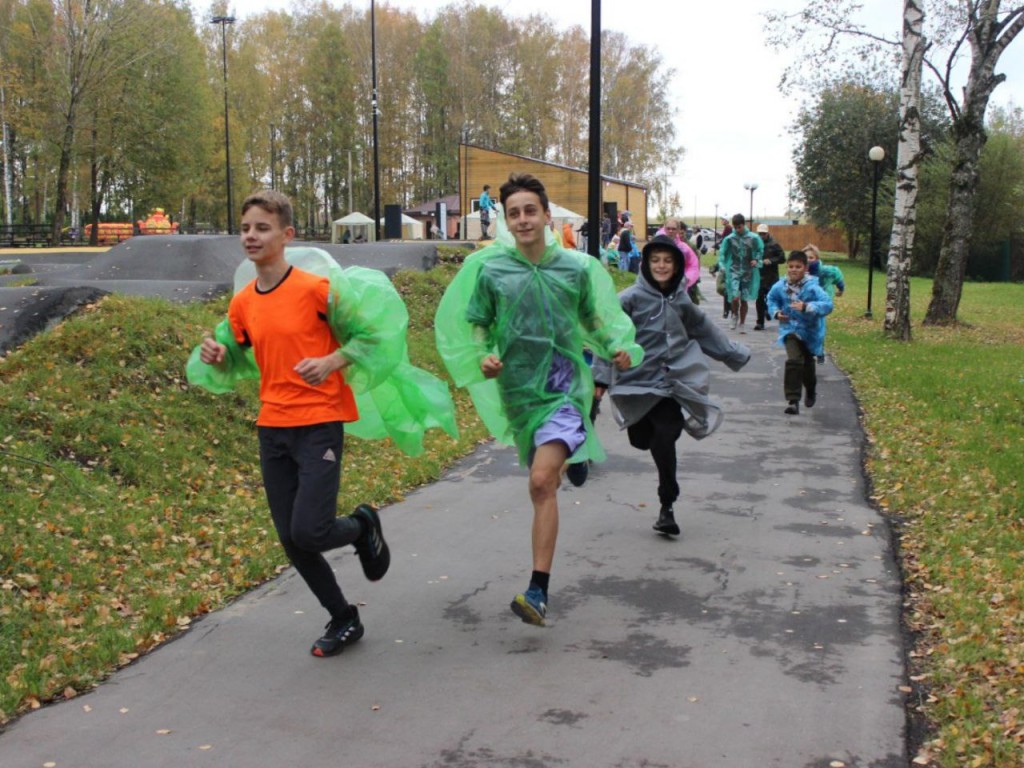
<point x="133" y="503"/>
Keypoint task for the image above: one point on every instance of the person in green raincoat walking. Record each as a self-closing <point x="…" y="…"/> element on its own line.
<point x="511" y="327"/>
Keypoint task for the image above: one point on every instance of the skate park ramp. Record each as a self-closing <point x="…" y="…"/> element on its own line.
<point x="49" y="284"/>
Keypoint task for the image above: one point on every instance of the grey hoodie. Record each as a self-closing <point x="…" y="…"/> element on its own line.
<point x="677" y="338"/>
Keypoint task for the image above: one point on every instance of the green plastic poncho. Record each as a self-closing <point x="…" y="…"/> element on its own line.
<point x="734" y="256"/>
<point x="524" y="313"/>
<point x="368" y="318"/>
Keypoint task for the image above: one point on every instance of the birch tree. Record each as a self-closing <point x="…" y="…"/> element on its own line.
<point x="988" y="32"/>
<point x="908" y="159"/>
<point x="829" y="37"/>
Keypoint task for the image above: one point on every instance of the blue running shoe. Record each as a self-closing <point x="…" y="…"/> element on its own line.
<point x="531" y="606"/>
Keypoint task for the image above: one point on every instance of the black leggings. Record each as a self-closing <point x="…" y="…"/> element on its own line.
<point x="658" y="432"/>
<point x="762" y="306"/>
<point x="301" y="476"/>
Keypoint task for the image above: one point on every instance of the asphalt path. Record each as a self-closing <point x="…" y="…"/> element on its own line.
<point x="174" y="267"/>
<point x="767" y="634"/>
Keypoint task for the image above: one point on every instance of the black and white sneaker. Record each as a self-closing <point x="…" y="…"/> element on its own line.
<point x="339" y="634"/>
<point x="373" y="551"/>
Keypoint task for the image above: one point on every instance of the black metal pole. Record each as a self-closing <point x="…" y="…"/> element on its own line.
<point x="871" y="246"/>
<point x="594" y="197"/>
<point x="464" y="199"/>
<point x="224" y="21"/>
<point x="273" y="157"/>
<point x="373" y="103"/>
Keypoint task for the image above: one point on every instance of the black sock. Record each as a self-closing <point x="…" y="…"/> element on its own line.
<point x="540" y="580"/>
<point x="343" y="613"/>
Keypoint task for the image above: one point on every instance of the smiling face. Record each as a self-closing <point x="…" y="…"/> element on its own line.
<point x="662" y="263"/>
<point x="263" y="237"/>
<point x="527" y="220"/>
<point x="795" y="270"/>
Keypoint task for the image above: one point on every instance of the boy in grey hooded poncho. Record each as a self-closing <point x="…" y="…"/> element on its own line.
<point x="668" y="392"/>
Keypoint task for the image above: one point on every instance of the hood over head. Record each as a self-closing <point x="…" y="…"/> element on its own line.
<point x="666" y="243"/>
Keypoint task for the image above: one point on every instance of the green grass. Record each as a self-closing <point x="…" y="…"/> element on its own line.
<point x="945" y="421"/>
<point x="132" y="503"/>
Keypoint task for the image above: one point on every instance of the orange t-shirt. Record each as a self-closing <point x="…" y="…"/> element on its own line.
<point x="285" y="325"/>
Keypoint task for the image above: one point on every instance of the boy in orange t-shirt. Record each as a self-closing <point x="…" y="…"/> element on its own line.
<point x="305" y="404"/>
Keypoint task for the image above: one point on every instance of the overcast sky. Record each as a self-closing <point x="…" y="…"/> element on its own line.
<point x="731" y="119"/>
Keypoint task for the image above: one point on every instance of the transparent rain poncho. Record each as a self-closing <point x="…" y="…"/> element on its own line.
<point x="368" y="318"/>
<point x="526" y="313"/>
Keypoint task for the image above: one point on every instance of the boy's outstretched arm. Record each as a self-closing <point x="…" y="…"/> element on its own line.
<point x="212" y="352"/>
<point x="491" y="366"/>
<point x="622" y="359"/>
<point x="315" y="370"/>
<point x="219" y="361"/>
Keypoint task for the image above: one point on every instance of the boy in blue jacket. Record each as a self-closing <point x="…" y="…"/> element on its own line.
<point x="800" y="304"/>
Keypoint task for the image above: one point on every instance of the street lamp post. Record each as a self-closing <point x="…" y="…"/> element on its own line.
<point x="224" y="21"/>
<point x="751" y="186"/>
<point x="464" y="209"/>
<point x="273" y="157"/>
<point x="876" y="155"/>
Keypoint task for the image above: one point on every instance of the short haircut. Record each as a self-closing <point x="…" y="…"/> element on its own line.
<point x="659" y="248"/>
<point x="674" y="222"/>
<point x="271" y="201"/>
<point x="798" y="256"/>
<point x="738" y="219"/>
<point x="486" y="187"/>
<point x="813" y="249"/>
<point x="524" y="182"/>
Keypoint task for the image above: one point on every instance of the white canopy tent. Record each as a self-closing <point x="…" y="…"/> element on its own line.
<point x="411" y="228"/>
<point x="357" y="223"/>
<point x="560" y="215"/>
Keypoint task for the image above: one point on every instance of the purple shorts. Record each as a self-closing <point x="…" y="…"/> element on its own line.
<point x="565" y="425"/>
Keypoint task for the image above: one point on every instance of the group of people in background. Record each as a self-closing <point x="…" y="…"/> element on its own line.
<point x="748" y="270"/>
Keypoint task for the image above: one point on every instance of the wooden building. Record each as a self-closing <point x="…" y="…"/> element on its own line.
<point x="568" y="187"/>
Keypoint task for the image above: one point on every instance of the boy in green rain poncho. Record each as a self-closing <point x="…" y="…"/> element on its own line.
<point x="512" y="327"/>
<point x="328" y="346"/>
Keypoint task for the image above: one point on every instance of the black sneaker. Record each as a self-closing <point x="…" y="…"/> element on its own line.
<point x="810" y="399"/>
<point x="577" y="473"/>
<point x="793" y="407"/>
<point x="339" y="634"/>
<point x="666" y="523"/>
<point x="373" y="551"/>
<point x="820" y="359"/>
